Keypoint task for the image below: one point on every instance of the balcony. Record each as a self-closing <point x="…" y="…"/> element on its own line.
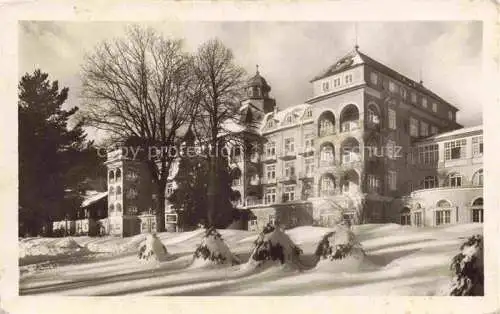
<point x="326" y="132"/>
<point x="306" y="175"/>
<point x="268" y="181"/>
<point x="288" y="179"/>
<point x="308" y="151"/>
<point x="269" y="158"/>
<point x="289" y="155"/>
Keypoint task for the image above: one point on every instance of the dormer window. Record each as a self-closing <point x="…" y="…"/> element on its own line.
<point x="326" y="86"/>
<point x="256" y="91"/>
<point x="308" y="113"/>
<point x="270" y="123"/>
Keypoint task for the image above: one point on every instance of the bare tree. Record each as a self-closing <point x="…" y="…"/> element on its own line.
<point x="141" y="86"/>
<point x="220" y="82"/>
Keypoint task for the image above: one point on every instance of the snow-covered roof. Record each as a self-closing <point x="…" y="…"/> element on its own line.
<point x="458" y="132"/>
<point x="93" y="197"/>
<point x="279" y="117"/>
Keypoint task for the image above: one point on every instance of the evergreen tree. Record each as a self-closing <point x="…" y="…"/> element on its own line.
<point x="47" y="150"/>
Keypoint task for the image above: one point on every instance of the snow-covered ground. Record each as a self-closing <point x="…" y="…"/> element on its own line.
<point x="400" y="260"/>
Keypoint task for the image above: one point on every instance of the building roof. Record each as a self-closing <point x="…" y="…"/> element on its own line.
<point x="454" y="133"/>
<point x="356" y="57"/>
<point x="258" y="80"/>
<point x="279" y="116"/>
<point x="92" y="198"/>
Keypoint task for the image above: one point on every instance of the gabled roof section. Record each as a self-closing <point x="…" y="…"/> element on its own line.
<point x="297" y="112"/>
<point x="356" y="57"/>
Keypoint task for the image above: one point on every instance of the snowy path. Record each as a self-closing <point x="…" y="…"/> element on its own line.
<point x="401" y="261"/>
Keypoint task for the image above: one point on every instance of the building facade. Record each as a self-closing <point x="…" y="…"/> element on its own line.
<point x="370" y="145"/>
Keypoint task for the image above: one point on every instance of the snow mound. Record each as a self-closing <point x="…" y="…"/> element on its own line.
<point x="340" y="251"/>
<point x="274" y="246"/>
<point x="152" y="249"/>
<point x="213" y="251"/>
<point x="68" y="243"/>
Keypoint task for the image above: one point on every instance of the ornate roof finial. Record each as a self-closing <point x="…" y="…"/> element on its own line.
<point x="257" y="69"/>
<point x="356" y="46"/>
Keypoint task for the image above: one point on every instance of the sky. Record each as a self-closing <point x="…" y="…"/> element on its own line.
<point x="447" y="55"/>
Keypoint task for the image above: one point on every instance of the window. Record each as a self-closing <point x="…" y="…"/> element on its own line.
<point x="392" y="87"/>
<point x="454" y="149"/>
<point x="326" y="86"/>
<point x="392" y="178"/>
<point x="443" y="217"/>
<point x="374" y="78"/>
<point x="477" y="179"/>
<point x="403" y="93"/>
<point x="413" y="97"/>
<point x="327" y="154"/>
<point x="373" y="183"/>
<point x="413" y="127"/>
<point x="289" y="118"/>
<point x="424" y="102"/>
<point x="417" y="219"/>
<point x="170" y="189"/>
<point x="308" y="113"/>
<point x="271" y="171"/>
<point x="327" y="186"/>
<point x="434" y="130"/>
<point x="350" y="153"/>
<point x="336" y="82"/>
<point x="428" y="154"/>
<point x="455" y="180"/>
<point x="272" y="219"/>
<point x="477" y="146"/>
<point x="309" y="166"/>
<point x="391" y="149"/>
<point x="406" y="217"/>
<point x="309" y="143"/>
<point x="348" y="78"/>
<point x="434" y="107"/>
<point x="118" y="191"/>
<point x="118" y="207"/>
<point x="325" y="127"/>
<point x="118" y="174"/>
<point x="477" y="210"/>
<point x="270" y="123"/>
<point x="111" y="176"/>
<point x="430" y="182"/>
<point x="289" y="168"/>
<point x="424" y="129"/>
<point x="271" y="149"/>
<point x="132" y="175"/>
<point x="373" y="116"/>
<point x="392" y="119"/>
<point x="270" y="196"/>
<point x="450" y="115"/>
<point x="289" y="194"/>
<point x="289" y="145"/>
<point x="132" y="210"/>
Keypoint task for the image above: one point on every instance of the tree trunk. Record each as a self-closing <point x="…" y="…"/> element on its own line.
<point x="212" y="190"/>
<point x="160" y="211"/>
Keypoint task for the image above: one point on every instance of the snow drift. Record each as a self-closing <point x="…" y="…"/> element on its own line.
<point x="213" y="251"/>
<point x="272" y="246"/>
<point x="152" y="249"/>
<point x="340" y="251"/>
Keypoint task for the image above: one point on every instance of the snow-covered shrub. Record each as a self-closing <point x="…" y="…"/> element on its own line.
<point x="468" y="269"/>
<point x="213" y="250"/>
<point x="339" y="250"/>
<point x="274" y="245"/>
<point x="152" y="249"/>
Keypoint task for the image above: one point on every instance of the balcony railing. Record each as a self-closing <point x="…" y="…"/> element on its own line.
<point x="326" y="163"/>
<point x="349" y="126"/>
<point x="288" y="155"/>
<point x="269" y="158"/>
<point x="326" y="132"/>
<point x="268" y="180"/>
<point x="288" y="178"/>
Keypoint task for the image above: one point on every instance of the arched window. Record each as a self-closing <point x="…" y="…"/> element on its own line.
<point x="326" y="124"/>
<point x="477" y="179"/>
<point x="118" y="190"/>
<point x="118" y="207"/>
<point x="111" y="192"/>
<point x="350" y="150"/>
<point x="477" y="210"/>
<point x="349" y="118"/>
<point x="111" y="209"/>
<point x="373" y="115"/>
<point x="111" y="176"/>
<point x="442" y="215"/>
<point x="118" y="174"/>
